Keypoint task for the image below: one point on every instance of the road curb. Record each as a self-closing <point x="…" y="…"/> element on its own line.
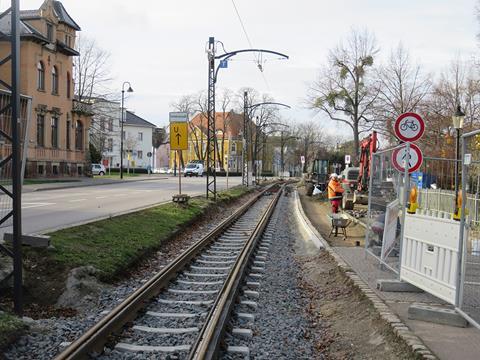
<point x="93" y="184"/>
<point x="399" y="328"/>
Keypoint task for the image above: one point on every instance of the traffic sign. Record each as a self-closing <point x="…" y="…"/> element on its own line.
<point x="413" y="160"/>
<point x="347" y="159"/>
<point x="302" y="159"/>
<point x="178" y="116"/>
<point x="178" y="136"/>
<point x="409" y="127"/>
<point x="149" y="154"/>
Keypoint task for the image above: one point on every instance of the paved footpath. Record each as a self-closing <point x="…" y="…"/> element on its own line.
<point x="446" y="342"/>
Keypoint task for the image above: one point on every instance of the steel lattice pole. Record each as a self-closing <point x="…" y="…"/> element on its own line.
<point x="244" y="143"/>
<point x="16" y="159"/>
<point x="211" y="135"/>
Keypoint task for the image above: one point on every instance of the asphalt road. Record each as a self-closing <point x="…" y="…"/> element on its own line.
<point x="47" y="210"/>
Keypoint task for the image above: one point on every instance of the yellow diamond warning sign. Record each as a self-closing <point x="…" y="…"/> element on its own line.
<point x="178" y="136"/>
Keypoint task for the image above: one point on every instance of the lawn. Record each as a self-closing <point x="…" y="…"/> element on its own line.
<point x="114" y="244"/>
<point x="10" y="328"/>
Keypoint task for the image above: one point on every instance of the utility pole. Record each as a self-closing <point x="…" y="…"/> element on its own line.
<point x="212" y="80"/>
<point x="281" y="153"/>
<point x="16" y="159"/>
<point x="211" y="131"/>
<point x="244" y="143"/>
<point x="11" y="164"/>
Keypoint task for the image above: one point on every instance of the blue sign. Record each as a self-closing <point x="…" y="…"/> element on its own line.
<point x="422" y="180"/>
<point x="223" y="64"/>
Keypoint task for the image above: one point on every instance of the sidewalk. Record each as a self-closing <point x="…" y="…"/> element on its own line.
<point x="446" y="342"/>
<point x="84" y="181"/>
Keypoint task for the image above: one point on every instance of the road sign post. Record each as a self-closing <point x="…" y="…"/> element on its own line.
<point x="179" y="139"/>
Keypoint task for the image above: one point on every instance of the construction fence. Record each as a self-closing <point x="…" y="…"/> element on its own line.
<point x="418" y="237"/>
<point x="468" y="300"/>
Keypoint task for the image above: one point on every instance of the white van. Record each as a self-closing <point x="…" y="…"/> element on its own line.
<point x="193" y="169"/>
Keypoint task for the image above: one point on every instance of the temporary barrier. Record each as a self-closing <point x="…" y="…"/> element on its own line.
<point x="468" y="276"/>
<point x="430" y="253"/>
<point x="384" y="216"/>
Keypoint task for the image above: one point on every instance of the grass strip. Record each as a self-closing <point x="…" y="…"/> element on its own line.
<point x="114" y="244"/>
<point x="10" y="328"/>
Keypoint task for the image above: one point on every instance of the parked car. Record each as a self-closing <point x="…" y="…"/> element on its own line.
<point x="162" y="170"/>
<point x="193" y="169"/>
<point x="98" y="169"/>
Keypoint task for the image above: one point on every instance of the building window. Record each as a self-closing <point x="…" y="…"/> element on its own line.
<point x="40" y="130"/>
<point x="110" y="145"/>
<point x="110" y="124"/>
<point x="68" y="40"/>
<point x="54" y="124"/>
<point x="78" y="135"/>
<point x="54" y="80"/>
<point x="79" y="170"/>
<point x="50" y="32"/>
<point x="140" y="154"/>
<point x="233" y="148"/>
<point x="40" y="169"/>
<point x="102" y="124"/>
<point x="69" y="82"/>
<point x="140" y="136"/>
<point x="40" y="76"/>
<point x="55" y="169"/>
<point x="68" y="133"/>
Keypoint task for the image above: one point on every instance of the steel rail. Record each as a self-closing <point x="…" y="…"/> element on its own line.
<point x="208" y="342"/>
<point x="96" y="337"/>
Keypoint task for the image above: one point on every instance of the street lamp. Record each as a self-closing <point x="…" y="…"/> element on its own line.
<point x="457" y="120"/>
<point x="130" y="90"/>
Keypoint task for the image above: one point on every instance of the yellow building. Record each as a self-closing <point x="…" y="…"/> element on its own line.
<point x="229" y="127"/>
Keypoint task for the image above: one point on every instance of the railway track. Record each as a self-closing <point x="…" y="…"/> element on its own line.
<point x="182" y="312"/>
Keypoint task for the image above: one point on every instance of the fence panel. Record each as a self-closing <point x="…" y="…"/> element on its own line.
<point x="384" y="210"/>
<point x="469" y="275"/>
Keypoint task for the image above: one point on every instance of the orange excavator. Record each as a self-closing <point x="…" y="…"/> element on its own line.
<point x="368" y="146"/>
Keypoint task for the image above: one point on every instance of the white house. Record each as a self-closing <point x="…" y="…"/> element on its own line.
<point x="105" y="135"/>
<point x="137" y="141"/>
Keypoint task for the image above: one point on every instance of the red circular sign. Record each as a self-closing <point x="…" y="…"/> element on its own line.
<point x="409" y="127"/>
<point x="414" y="158"/>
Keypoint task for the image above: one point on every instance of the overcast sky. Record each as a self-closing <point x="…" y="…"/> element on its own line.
<point x="159" y="45"/>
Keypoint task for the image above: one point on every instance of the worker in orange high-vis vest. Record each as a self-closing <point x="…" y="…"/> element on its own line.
<point x="335" y="192"/>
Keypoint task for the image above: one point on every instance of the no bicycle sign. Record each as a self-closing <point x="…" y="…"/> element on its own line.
<point x="409" y="127"/>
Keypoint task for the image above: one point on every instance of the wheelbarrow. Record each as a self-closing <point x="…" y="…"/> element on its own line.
<point x="339" y="221"/>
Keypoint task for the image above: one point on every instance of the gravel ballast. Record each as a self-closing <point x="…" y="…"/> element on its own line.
<point x="49" y="336"/>
<point x="281" y="328"/>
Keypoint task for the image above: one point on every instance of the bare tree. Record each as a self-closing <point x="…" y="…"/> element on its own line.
<point x="91" y="71"/>
<point x="457" y="86"/>
<point x="225" y="103"/>
<point x="345" y="90"/>
<point x="402" y="87"/>
<point x="92" y="78"/>
<point x="309" y="135"/>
